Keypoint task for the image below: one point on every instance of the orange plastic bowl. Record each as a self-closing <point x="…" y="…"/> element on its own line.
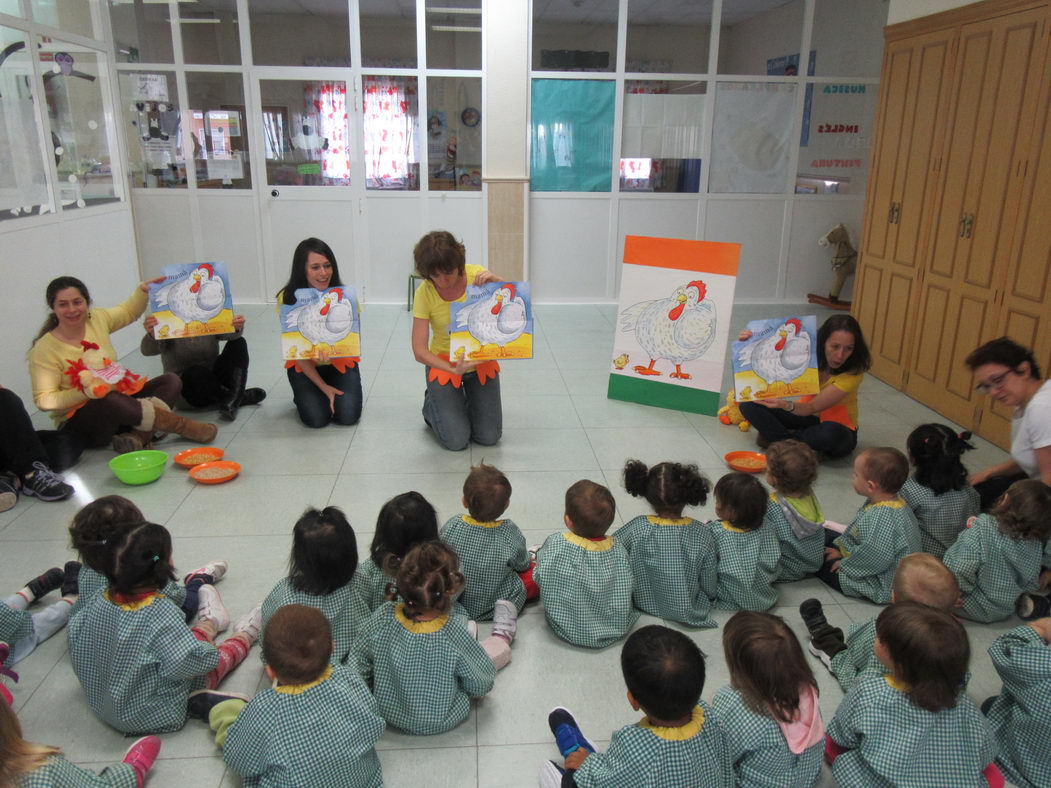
<point x="746" y="461"/>
<point x="188" y="458"/>
<point x="215" y="472"/>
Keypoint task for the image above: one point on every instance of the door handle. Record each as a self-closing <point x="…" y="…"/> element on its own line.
<point x="968" y="225"/>
<point x="275" y="193"/>
<point x="963" y="225"/>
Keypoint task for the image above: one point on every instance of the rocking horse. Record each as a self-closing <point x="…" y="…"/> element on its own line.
<point x="844" y="261"/>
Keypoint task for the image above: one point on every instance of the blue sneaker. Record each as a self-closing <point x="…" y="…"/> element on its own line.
<point x="568" y="736"/>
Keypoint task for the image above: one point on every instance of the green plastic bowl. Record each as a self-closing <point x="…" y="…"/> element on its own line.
<point x="139" y="467"/>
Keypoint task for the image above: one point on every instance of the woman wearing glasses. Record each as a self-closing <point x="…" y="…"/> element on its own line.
<point x="1009" y="374"/>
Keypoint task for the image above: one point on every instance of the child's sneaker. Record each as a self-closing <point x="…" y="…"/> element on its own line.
<point x="813" y="616"/>
<point x="826" y="645"/>
<point x="505" y="620"/>
<point x="8" y="491"/>
<point x="567" y="733"/>
<point x="551" y="776"/>
<point x="203" y="701"/>
<point x="472" y="629"/>
<point x="212" y="572"/>
<point x="210" y="607"/>
<point x="250" y="624"/>
<point x="1033" y="606"/>
<point x="45" y="484"/>
<point x="141" y="756"/>
<point x="71" y="578"/>
<point x="44" y="584"/>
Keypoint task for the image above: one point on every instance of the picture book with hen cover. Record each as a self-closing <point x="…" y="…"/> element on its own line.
<point x="779" y="359"/>
<point x="672" y="326"/>
<point x="193" y="300"/>
<point x="494" y="323"/>
<point x="325" y="321"/>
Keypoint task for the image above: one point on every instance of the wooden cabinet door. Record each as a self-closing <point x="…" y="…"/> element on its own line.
<point x="995" y="96"/>
<point x="915" y="89"/>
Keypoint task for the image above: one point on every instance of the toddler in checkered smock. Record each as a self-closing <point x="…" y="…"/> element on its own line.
<point x="793" y="511"/>
<point x="747" y="551"/>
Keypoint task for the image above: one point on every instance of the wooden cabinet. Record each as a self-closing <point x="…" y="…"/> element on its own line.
<point x="957" y="217"/>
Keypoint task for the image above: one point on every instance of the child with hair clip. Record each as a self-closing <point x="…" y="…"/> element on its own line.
<point x="914" y="725"/>
<point x="106" y="517"/>
<point x="316" y="727"/>
<point x="793" y="511"/>
<point x="861" y="562"/>
<point x="680" y="742"/>
<point x="920" y="577"/>
<point x="938" y="492"/>
<point x="24" y="764"/>
<point x="24" y="631"/>
<point x="997" y="557"/>
<point x="1021" y="714"/>
<point x="421" y="662"/>
<point x="746" y="553"/>
<point x="140" y="667"/>
<point x="584" y="575"/>
<point x="492" y="552"/>
<point x="672" y="557"/>
<point x="320" y="571"/>
<point x="770" y="708"/>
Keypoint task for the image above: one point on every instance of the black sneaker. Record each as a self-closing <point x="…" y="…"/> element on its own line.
<point x="813" y="616"/>
<point x="202" y="702"/>
<point x="826" y="645"/>
<point x="253" y="396"/>
<point x="44" y="584"/>
<point x="1030" y="607"/>
<point x="568" y="736"/>
<point x="71" y="578"/>
<point x="8" y="491"/>
<point x="45" y="484"/>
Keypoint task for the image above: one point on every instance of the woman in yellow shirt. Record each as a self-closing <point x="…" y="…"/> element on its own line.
<point x="462" y="402"/>
<point x="827" y="421"/>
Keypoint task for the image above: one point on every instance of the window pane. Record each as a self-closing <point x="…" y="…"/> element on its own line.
<point x="575" y="36"/>
<point x="661" y="140"/>
<point x="151" y="109"/>
<point x="10" y="7"/>
<point x="220" y="136"/>
<point x="305" y="132"/>
<point x="306" y="34"/>
<point x="572" y="135"/>
<point x="392" y="121"/>
<point x="210" y="32"/>
<point x="761" y="37"/>
<point x="388" y="33"/>
<point x="751" y="137"/>
<point x="838" y="122"/>
<point x="78" y="123"/>
<point x="454" y="133"/>
<point x="23" y="182"/>
<point x="142" y="32"/>
<point x="73" y="16"/>
<point x="668" y="36"/>
<point x="849" y="36"/>
<point x="454" y="34"/>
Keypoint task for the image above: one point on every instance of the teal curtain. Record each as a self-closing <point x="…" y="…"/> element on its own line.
<point x="572" y="135"/>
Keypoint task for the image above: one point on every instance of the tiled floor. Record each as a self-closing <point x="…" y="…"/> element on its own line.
<point x="558" y="427"/>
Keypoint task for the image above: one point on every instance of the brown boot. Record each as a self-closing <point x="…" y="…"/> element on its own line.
<point x="133" y="440"/>
<point x="198" y="431"/>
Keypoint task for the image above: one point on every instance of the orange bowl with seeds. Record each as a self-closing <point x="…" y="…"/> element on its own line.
<point x="215" y="472"/>
<point x="188" y="458"/>
<point x="746" y="461"/>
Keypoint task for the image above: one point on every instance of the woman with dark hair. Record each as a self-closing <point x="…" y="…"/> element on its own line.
<point x="323" y="389"/>
<point x="827" y="421"/>
<point x="127" y="418"/>
<point x="1008" y="373"/>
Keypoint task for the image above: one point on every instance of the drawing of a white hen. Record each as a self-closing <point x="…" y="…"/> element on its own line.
<point x="194" y="297"/>
<point x="782" y="356"/>
<point x="326" y="320"/>
<point x="497" y="320"/>
<point x="677" y="329"/>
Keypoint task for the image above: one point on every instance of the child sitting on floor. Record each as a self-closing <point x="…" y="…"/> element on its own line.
<point x="584" y="576"/>
<point x="679" y="742"/>
<point x="317" y="726"/>
<point x="938" y="492"/>
<point x="672" y="557"/>
<point x="862" y="561"/>
<point x="915" y="725"/>
<point x="493" y="555"/>
<point x="24" y="631"/>
<point x="746" y="552"/>
<point x="420" y="661"/>
<point x="793" y="511"/>
<point x="920" y="577"/>
<point x="320" y="570"/>
<point x="997" y="557"/>
<point x="770" y="708"/>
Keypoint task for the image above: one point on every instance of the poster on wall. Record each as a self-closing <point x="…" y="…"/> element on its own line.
<point x="673" y="322"/>
<point x="321" y="325"/>
<point x="494" y="323"/>
<point x="193" y="300"/>
<point x="751" y="137"/>
<point x="778" y="360"/>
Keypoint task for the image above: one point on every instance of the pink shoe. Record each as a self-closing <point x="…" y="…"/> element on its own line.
<point x="142" y="755"/>
<point x="213" y="569"/>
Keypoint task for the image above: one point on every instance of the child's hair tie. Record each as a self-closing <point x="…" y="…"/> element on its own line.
<point x="156" y="558"/>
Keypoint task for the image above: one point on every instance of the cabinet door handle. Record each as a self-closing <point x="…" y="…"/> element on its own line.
<point x="890" y="213"/>
<point x="963" y="225"/>
<point x="969" y="226"/>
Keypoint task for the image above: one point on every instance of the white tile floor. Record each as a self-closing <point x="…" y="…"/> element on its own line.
<point x="558" y="427"/>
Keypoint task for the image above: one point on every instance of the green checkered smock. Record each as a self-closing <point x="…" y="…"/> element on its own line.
<point x="369" y="587"/>
<point x="423" y="674"/>
<point x="799" y="557"/>
<point x="15" y="625"/>
<point x="491" y="556"/>
<point x="90" y="582"/>
<point x="941" y="517"/>
<point x="138" y="663"/>
<point x="585" y="587"/>
<point x="892" y="742"/>
<point x="673" y="564"/>
<point x="758" y="748"/>
<point x="992" y="568"/>
<point x="878" y="537"/>
<point x="747" y="566"/>
<point x="338" y="608"/>
<point x="57" y="772"/>
<point x="859" y="659"/>
<point x="642" y="756"/>
<point x="1021" y="714"/>
<point x="316" y="735"/>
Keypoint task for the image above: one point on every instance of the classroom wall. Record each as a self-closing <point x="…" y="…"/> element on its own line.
<point x="904" y="10"/>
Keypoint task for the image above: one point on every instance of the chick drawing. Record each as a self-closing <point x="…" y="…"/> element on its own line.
<point x="621" y="361"/>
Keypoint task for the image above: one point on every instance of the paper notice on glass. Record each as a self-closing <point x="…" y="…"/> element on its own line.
<point x="226" y="169"/>
<point x="145" y="87"/>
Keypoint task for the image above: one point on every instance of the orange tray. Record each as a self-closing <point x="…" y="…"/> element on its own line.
<point x="210" y="454"/>
<point x="205" y="470"/>
<point x="746" y="461"/>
